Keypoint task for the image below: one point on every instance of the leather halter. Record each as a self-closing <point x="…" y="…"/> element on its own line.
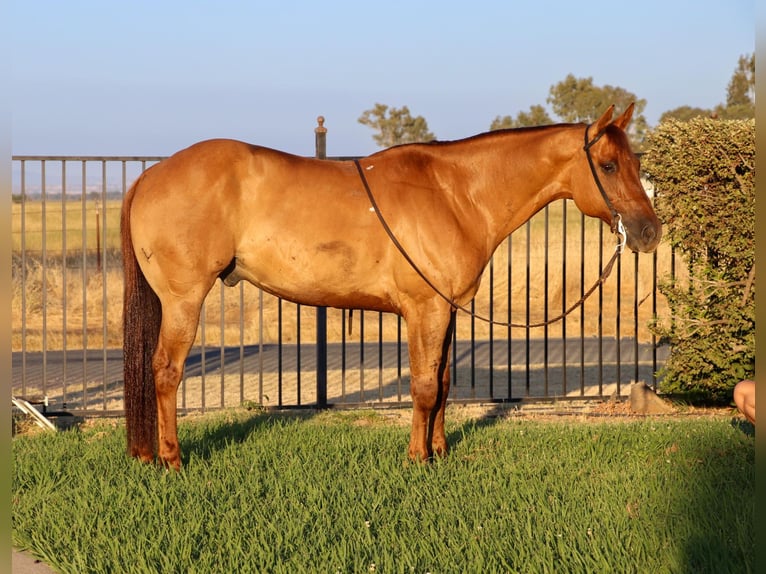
<point x="616" y="225"/>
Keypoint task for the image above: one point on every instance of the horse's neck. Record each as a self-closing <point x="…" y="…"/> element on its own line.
<point x="517" y="173"/>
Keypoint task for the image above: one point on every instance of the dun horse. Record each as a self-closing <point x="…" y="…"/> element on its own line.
<point x="309" y="231"/>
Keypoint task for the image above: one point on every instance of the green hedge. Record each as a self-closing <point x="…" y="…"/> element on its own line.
<point x="703" y="171"/>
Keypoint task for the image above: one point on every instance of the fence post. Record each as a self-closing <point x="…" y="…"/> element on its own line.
<point x="320" y="136"/>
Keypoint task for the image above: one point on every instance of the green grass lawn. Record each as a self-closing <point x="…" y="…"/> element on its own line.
<point x="331" y="492"/>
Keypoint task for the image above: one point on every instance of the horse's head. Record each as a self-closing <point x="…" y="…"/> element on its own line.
<point x="608" y="185"/>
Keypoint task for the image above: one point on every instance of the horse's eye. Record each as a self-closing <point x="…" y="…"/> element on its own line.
<point x="609" y="167"/>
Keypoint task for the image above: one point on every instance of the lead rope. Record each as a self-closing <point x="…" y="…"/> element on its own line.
<point x="617" y="227"/>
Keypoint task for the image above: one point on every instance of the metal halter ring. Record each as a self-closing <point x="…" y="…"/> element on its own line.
<point x="622" y="233"/>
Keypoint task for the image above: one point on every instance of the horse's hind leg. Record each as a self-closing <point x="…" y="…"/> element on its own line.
<point x="177" y="332"/>
<point x="429" y="337"/>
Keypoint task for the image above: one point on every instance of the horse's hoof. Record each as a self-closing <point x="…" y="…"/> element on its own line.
<point x="142" y="457"/>
<point x="441" y="451"/>
<point x="439" y="447"/>
<point x="171" y="463"/>
<point x="418" y="457"/>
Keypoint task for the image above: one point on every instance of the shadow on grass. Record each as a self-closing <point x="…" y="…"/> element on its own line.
<point x="208" y="439"/>
<point x="488" y="419"/>
<point x="720" y="502"/>
<point x="745" y="427"/>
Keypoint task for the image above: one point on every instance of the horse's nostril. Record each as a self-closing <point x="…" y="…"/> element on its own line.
<point x="648" y="234"/>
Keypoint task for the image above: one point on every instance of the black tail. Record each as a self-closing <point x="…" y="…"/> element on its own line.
<point x="141" y="318"/>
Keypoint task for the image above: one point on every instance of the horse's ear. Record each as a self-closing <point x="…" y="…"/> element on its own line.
<point x="624" y="119"/>
<point x="603" y="121"/>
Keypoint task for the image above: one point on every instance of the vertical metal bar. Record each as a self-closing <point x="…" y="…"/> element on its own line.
<point x="343" y="354"/>
<point x="64" y="273"/>
<point x="564" y="297"/>
<point x="320" y="138"/>
<point x="545" y="301"/>
<point x="618" y="305"/>
<point x="298" y="353"/>
<point x="321" y="356"/>
<point x="123" y="191"/>
<point x="84" y="215"/>
<point x="23" y="278"/>
<point x="654" y="316"/>
<point x="600" y="314"/>
<point x="241" y="342"/>
<point x="104" y="275"/>
<point x="202" y="355"/>
<point x="279" y="352"/>
<point x="98" y="238"/>
<point x="44" y="262"/>
<point x="582" y="307"/>
<point x="184" y="387"/>
<point x="491" y="328"/>
<point x="473" y="348"/>
<point x="453" y="361"/>
<point x="380" y="356"/>
<point x="509" y="302"/>
<point x="361" y="355"/>
<point x="222" y="341"/>
<point x="635" y="317"/>
<point x="399" y="358"/>
<point x="527" y="330"/>
<point x="260" y="346"/>
<point x="672" y="279"/>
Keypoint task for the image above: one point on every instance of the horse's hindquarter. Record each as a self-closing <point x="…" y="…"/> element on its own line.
<point x="181" y="215"/>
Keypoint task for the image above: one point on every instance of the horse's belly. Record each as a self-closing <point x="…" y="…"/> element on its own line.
<point x="334" y="273"/>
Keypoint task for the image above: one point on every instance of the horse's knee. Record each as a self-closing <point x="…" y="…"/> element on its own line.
<point x="425" y="393"/>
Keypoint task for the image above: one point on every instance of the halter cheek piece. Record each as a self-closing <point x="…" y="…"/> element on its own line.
<point x="616" y="225"/>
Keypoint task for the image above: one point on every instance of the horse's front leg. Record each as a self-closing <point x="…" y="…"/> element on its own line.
<point x="429" y="343"/>
<point x="439" y="436"/>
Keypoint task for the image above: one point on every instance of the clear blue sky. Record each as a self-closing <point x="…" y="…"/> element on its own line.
<point x="151" y="77"/>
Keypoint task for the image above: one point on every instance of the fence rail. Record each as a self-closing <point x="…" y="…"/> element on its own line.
<point x="254" y="348"/>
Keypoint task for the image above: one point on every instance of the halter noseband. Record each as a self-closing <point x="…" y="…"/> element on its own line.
<point x="616" y="225"/>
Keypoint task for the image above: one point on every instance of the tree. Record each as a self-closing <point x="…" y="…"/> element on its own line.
<point x="740" y="94"/>
<point x="537" y="116"/>
<point x="740" y="97"/>
<point x="685" y="113"/>
<point x="395" y="126"/>
<point x="704" y="172"/>
<point x="579" y="100"/>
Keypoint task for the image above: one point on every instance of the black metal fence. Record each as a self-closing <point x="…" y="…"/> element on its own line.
<point x="254" y="348"/>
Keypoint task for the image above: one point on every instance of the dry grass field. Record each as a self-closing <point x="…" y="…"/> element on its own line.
<point x="62" y="299"/>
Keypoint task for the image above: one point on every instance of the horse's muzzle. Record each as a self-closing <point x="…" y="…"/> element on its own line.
<point x="647" y="240"/>
<point x="651" y="234"/>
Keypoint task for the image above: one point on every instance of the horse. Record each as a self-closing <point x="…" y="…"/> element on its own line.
<point x="310" y="231"/>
